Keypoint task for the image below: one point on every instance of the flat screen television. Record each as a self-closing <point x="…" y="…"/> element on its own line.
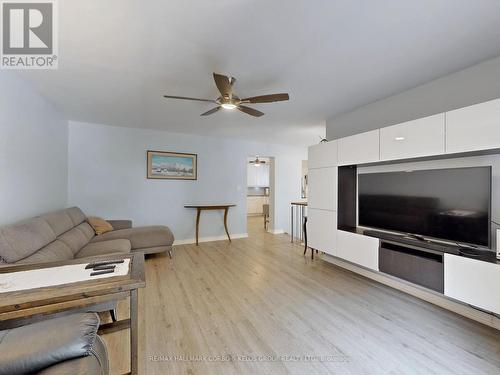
<point x="448" y="204"/>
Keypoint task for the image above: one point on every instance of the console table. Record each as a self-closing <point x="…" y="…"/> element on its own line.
<point x="210" y="207"/>
<point x="21" y="306"/>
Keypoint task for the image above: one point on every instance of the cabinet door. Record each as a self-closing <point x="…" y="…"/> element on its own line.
<point x="472" y="281"/>
<point x="473" y="128"/>
<point x="360" y="148"/>
<point x="322" y="230"/>
<point x="264" y="180"/>
<point x="359" y="249"/>
<point x="323" y="188"/>
<point x="251" y="175"/>
<point x="422" y="137"/>
<point x="323" y="155"/>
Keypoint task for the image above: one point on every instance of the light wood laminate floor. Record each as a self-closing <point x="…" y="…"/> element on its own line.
<point x="275" y="311"/>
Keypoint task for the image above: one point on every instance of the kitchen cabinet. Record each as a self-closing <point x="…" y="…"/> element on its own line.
<point x="323" y="155"/>
<point x="255" y="204"/>
<point x="417" y="138"/>
<point x="472" y="281"/>
<point x="322" y="230"/>
<point x="360" y="148"/>
<point x="473" y="128"/>
<point x="323" y="188"/>
<point x="358" y="249"/>
<point x="258" y="176"/>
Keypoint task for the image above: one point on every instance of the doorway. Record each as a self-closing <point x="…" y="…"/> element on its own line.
<point x="260" y="194"/>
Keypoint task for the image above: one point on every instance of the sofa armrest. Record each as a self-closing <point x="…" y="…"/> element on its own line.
<point x="33" y="347"/>
<point x="120" y="224"/>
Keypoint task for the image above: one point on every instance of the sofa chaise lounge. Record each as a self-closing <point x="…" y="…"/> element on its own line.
<point x="66" y="234"/>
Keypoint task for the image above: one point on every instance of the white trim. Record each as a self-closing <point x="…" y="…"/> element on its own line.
<point x="275" y="231"/>
<point x="422" y="293"/>
<point x="209" y="239"/>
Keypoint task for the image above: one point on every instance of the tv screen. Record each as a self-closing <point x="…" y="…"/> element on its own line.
<point x="449" y="204"/>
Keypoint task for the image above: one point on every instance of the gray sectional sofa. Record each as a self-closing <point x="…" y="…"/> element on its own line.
<point x="65" y="234"/>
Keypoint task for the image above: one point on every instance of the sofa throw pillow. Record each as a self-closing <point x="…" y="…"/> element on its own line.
<point x="99" y="225"/>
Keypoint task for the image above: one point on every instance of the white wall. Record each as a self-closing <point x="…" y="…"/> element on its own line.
<point x="107" y="177"/>
<point x="33" y="152"/>
<point x="476" y="84"/>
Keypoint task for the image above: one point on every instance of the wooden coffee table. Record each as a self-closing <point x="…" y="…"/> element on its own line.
<point x="210" y="207"/>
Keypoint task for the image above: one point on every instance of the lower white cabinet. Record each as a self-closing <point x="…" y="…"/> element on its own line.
<point x="322" y="230"/>
<point x="357" y="248"/>
<point x="472" y="281"/>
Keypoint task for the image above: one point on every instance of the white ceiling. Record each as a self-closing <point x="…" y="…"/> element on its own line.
<point x="118" y="57"/>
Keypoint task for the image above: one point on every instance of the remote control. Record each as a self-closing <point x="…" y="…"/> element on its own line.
<point x="103" y="262"/>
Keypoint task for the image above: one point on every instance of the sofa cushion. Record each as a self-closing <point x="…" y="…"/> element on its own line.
<point x="141" y="237"/>
<point x="104" y="248"/>
<point x="76" y="215"/>
<point x="53" y="252"/>
<point x="20" y="240"/>
<point x="87" y="230"/>
<point x="75" y="239"/>
<point x="59" y="221"/>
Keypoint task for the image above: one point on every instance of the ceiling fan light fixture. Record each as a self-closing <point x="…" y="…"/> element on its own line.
<point x="229" y="106"/>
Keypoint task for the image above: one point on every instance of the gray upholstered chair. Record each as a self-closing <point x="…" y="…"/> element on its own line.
<point x="63" y="345"/>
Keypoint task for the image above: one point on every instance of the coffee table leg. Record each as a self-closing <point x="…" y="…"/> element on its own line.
<point x="134" y="333"/>
<point x="198" y="212"/>
<point x="225" y="222"/>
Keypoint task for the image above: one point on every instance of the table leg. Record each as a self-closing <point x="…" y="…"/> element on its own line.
<point x="134" y="333"/>
<point x="291" y="223"/>
<point x="225" y="222"/>
<point x="198" y="212"/>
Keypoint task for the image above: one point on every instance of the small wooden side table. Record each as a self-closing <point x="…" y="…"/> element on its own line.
<point x="210" y="207"/>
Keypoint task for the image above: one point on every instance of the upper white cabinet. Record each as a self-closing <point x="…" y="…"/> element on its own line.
<point x="258" y="176"/>
<point x="360" y="148"/>
<point x="323" y="155"/>
<point x="322" y="230"/>
<point x="323" y="188"/>
<point x="473" y="128"/>
<point x="473" y="282"/>
<point x="422" y="137"/>
<point x="357" y="248"/>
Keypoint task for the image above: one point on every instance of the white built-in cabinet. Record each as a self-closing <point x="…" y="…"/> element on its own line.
<point x="323" y="155"/>
<point x="323" y="188"/>
<point x="322" y="230"/>
<point x="472" y="281"/>
<point x="258" y="176"/>
<point x="360" y="148"/>
<point x="473" y="128"/>
<point x="417" y="138"/>
<point x="357" y="248"/>
<point x="322" y="197"/>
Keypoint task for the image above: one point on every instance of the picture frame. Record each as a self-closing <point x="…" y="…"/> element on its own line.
<point x="166" y="165"/>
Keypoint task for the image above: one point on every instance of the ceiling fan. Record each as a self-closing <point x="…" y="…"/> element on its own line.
<point x="257" y="162"/>
<point x="230" y="101"/>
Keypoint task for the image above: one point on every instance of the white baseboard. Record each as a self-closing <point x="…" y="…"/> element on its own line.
<point x="430" y="296"/>
<point x="276" y="231"/>
<point x="209" y="239"/>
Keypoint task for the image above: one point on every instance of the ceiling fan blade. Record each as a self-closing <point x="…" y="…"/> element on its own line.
<point x="250" y="111"/>
<point x="224" y="85"/>
<point x="213" y="110"/>
<point x="186" y="98"/>
<point x="267" y="98"/>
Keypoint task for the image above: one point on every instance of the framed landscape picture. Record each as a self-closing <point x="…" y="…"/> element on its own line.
<point x="172" y="165"/>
